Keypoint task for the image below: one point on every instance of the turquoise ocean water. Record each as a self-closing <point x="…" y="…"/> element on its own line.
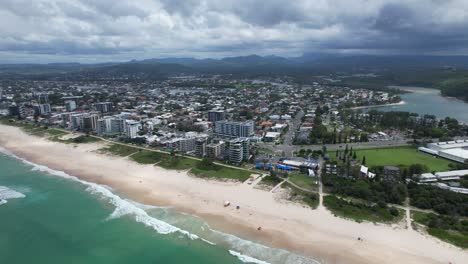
<point x="50" y="217"/>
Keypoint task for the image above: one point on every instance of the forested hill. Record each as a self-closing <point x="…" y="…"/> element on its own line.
<point x="448" y="73"/>
<point x="455" y="87"/>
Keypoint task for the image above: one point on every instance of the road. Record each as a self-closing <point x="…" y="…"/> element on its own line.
<point x="319" y="177"/>
<point x="295" y="123"/>
<point x="287" y="149"/>
<point x="290" y="149"/>
<point x="409" y="226"/>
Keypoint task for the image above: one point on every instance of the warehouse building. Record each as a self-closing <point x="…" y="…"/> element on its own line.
<point x="451" y="150"/>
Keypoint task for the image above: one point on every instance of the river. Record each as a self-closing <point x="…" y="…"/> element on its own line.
<point x="423" y="100"/>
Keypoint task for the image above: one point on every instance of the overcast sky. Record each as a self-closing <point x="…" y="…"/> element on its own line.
<point x="114" y="30"/>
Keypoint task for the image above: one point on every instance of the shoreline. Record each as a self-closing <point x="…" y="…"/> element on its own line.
<point x="374" y="106"/>
<point x="313" y="233"/>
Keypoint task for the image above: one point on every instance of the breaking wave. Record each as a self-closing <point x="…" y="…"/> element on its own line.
<point x="7" y="193"/>
<point x="124" y="207"/>
<point x="246" y="259"/>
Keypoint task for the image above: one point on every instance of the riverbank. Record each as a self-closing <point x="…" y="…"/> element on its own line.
<point x="374" y="106"/>
<point x="314" y="233"/>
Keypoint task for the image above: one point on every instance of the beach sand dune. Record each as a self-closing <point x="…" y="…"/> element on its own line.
<point x="315" y="233"/>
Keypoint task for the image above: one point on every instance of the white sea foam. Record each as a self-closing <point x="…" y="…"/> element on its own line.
<point x="125" y="207"/>
<point x="251" y="248"/>
<point x="7" y="193"/>
<point x="246" y="259"/>
<point x="122" y="206"/>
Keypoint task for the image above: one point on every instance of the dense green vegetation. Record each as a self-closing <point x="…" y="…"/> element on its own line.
<point x="361" y="212"/>
<point x="56" y="132"/>
<point x="77" y="140"/>
<point x="451" y="82"/>
<point x="441" y="201"/>
<point x="366" y="189"/>
<point x="455" y="87"/>
<point x="85" y="139"/>
<point x="13" y="122"/>
<point x="418" y="126"/>
<point x="36" y="130"/>
<point x="271" y="180"/>
<point x="222" y="173"/>
<point x="203" y="169"/>
<point x="447" y="228"/>
<point x="176" y="163"/>
<point x="118" y="150"/>
<point x="464" y="182"/>
<point x="321" y="134"/>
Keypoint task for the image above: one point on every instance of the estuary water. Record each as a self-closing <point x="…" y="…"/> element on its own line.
<point x="50" y="217"/>
<point x="423" y="101"/>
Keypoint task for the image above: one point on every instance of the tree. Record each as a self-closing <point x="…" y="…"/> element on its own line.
<point x="348" y="167"/>
<point x="334" y="136"/>
<point x="273" y="173"/>
<point x="324" y="150"/>
<point x="302" y="152"/>
<point x="363" y="137"/>
<point x="354" y="155"/>
<point x="363" y="160"/>
<point x="206" y="164"/>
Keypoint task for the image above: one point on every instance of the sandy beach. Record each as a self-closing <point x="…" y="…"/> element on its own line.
<point x="316" y="233"/>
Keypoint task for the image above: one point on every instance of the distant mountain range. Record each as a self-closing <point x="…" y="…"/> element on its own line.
<point x="311" y="63"/>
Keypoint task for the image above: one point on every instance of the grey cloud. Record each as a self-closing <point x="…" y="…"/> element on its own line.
<point x="230" y="27"/>
<point x="394" y="17"/>
<point x="61" y="47"/>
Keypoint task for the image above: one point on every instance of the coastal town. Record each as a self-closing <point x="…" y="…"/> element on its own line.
<point x="325" y="144"/>
<point x="233" y="132"/>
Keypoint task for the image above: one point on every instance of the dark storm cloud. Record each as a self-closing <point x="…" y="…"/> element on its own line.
<point x="61" y="47"/>
<point x="204" y="28"/>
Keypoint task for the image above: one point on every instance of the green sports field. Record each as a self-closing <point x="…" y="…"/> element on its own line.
<point x="400" y="156"/>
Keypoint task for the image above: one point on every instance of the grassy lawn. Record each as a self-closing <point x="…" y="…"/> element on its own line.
<point x="147" y="157"/>
<point x="451" y="230"/>
<point x="33" y="129"/>
<point x="220" y="172"/>
<point x="77" y="140"/>
<point x="399" y="156"/>
<point x="12" y="122"/>
<point x="271" y="181"/>
<point x="420" y="217"/>
<point x="56" y="132"/>
<point x="303" y="181"/>
<point x="177" y="163"/>
<point x="359" y="211"/>
<point x="310" y="199"/>
<point x="265" y="151"/>
<point x="118" y="150"/>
